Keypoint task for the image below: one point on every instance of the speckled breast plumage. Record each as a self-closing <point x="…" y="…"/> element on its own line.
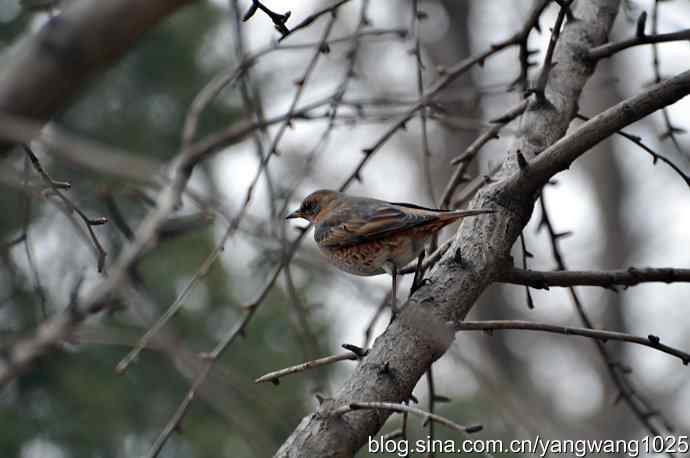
<point x="370" y="258"/>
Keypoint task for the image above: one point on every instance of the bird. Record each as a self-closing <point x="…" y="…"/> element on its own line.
<point x="365" y="236"/>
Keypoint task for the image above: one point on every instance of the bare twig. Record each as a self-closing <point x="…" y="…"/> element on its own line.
<point x="313" y="17"/>
<point x="275" y="376"/>
<point x="411" y="410"/>
<point x="671" y="130"/>
<point x="464" y="160"/>
<point x="300" y="85"/>
<point x="655" y="156"/>
<point x="417" y="16"/>
<point x="526" y="254"/>
<point x="432" y="403"/>
<point x="429" y="260"/>
<point x="369" y="330"/>
<point x="540" y="85"/>
<point x="607" y="279"/>
<point x="650" y="341"/>
<point x="521" y="39"/>
<point x="201" y="272"/>
<point x="71" y="207"/>
<point x="610" y="49"/>
<point x="27" y="243"/>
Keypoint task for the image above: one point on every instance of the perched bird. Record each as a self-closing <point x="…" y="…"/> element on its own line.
<point x="366" y="236"/>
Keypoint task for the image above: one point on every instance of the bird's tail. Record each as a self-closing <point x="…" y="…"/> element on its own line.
<point x="457" y="214"/>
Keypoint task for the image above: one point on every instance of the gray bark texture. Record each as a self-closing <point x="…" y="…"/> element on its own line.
<point x="426" y="327"/>
<point x="55" y="63"/>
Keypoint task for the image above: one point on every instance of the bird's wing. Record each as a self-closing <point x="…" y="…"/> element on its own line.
<point x="368" y="221"/>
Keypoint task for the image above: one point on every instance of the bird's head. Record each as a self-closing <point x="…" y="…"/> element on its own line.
<point x="314" y="204"/>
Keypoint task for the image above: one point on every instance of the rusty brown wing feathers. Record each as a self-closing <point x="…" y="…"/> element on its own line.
<point x="366" y="220"/>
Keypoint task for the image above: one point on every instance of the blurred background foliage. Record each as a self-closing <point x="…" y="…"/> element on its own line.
<point x="72" y="403"/>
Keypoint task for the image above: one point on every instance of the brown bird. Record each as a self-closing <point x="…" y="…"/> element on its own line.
<point x="366" y="236"/>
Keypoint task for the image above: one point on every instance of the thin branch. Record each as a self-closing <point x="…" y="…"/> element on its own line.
<point x="429" y="260"/>
<point x="177" y="304"/>
<point x="655" y="156"/>
<point x="464" y="160"/>
<point x="426" y="416"/>
<point x="610" y="49"/>
<point x="369" y="329"/>
<point x="432" y="403"/>
<point x="650" y="341"/>
<point x="526" y="254"/>
<point x="671" y="130"/>
<point x="540" y="85"/>
<point x="417" y="16"/>
<point x="313" y="17"/>
<point x="607" y="279"/>
<point x="301" y="83"/>
<point x="71" y="207"/>
<point x="275" y="376"/>
<point x="521" y="37"/>
<point x="27" y="243"/>
<point x="11" y="243"/>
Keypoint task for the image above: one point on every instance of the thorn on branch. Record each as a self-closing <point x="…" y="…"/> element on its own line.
<point x="101" y="220"/>
<point x="473" y="429"/>
<point x="618" y="398"/>
<point x="530" y="300"/>
<point x="562" y="235"/>
<point x="641" y="23"/>
<point x="522" y="162"/>
<point x="278" y="19"/>
<point x="253" y="8"/>
<point x="358" y="351"/>
<point x="386" y="369"/>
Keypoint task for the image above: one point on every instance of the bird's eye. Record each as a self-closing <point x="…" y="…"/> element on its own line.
<point x="309" y="207"/>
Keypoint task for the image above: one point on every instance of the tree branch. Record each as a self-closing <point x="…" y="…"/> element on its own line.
<point x="607" y="279"/>
<point x="650" y="341"/>
<point x="275" y="376"/>
<point x="86" y="37"/>
<point x="610" y="49"/>
<point x="427" y="416"/>
<point x="560" y="155"/>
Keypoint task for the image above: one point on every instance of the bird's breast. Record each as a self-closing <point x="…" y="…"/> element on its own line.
<point x="363" y="259"/>
<point x="369" y="258"/>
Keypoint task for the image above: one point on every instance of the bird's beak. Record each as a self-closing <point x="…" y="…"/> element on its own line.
<point x="293" y="215"/>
